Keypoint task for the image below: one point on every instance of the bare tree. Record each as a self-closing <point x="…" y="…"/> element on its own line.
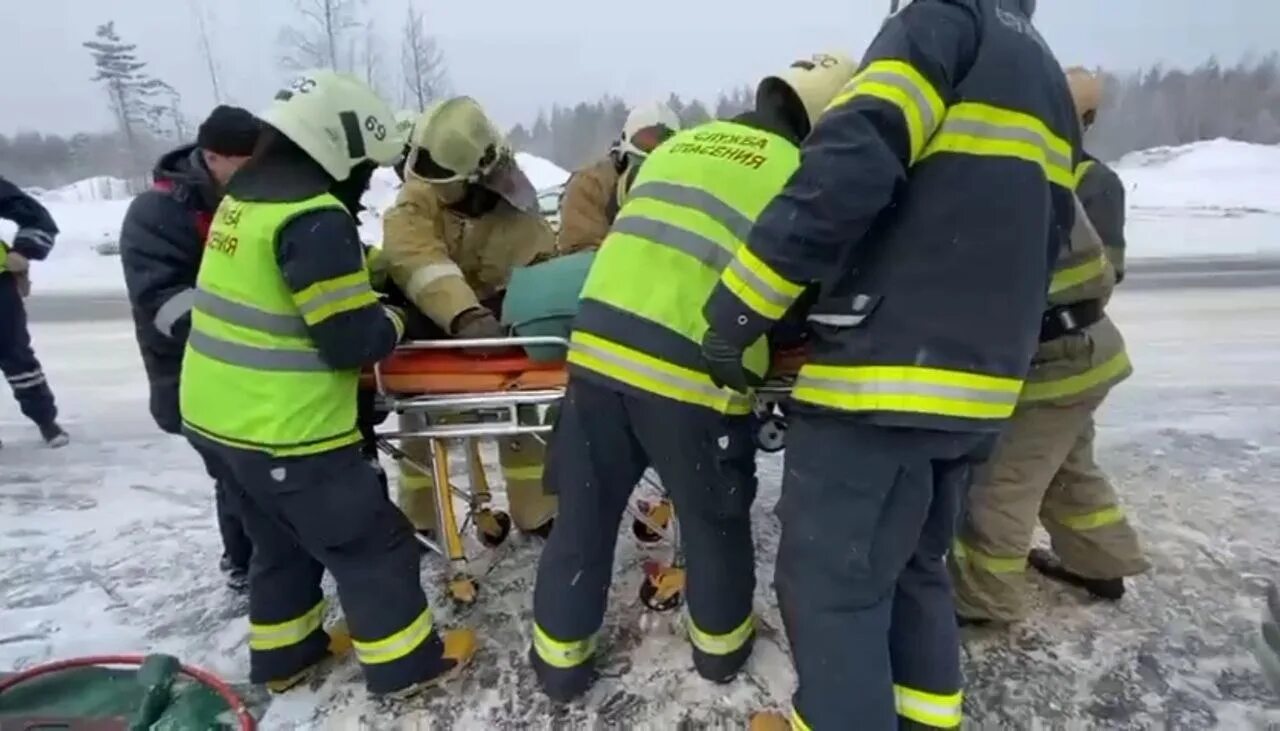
<point x="422" y="62"/>
<point x="206" y="50"/>
<point x="321" y="36"/>
<point x="372" y="58"/>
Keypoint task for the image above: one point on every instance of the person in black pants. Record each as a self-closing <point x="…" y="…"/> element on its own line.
<point x="33" y="241"/>
<point x="161" y="244"/>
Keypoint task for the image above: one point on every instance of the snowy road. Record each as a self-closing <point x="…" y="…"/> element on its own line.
<point x="110" y="546"/>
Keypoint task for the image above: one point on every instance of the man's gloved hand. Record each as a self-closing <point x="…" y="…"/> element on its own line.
<point x="724" y="364"/>
<point x="1267" y="643"/>
<point x="16" y="262"/>
<point x="477" y="322"/>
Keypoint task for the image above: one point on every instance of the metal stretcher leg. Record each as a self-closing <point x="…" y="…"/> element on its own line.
<point x="462" y="586"/>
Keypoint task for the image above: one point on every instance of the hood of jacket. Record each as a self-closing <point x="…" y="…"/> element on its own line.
<point x="184" y="171"/>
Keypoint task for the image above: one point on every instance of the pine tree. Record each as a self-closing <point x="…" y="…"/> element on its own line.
<point x="120" y="71"/>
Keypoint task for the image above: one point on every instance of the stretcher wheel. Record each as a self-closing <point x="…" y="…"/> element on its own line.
<point x="464" y="590"/>
<point x="493" y="527"/>
<point x="663" y="587"/>
<point x="658" y="513"/>
<point x="772" y="435"/>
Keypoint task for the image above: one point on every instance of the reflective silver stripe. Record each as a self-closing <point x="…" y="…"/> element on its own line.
<point x="707" y="389"/>
<point x="907" y="86"/>
<point x="173" y="309"/>
<point x="425" y="276"/>
<point x="699" y="200"/>
<point x="30" y="379"/>
<point x="41" y="238"/>
<point x="838" y="320"/>
<point x="904" y="387"/>
<point x="20" y="377"/>
<point x="681" y="239"/>
<point x="263" y="359"/>
<point x="250" y="317"/>
<point x="322" y="300"/>
<point x="1006" y="133"/>
<point x="763" y="289"/>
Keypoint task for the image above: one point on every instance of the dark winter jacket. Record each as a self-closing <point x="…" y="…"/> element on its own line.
<point x="36" y="229"/>
<point x="161" y="242"/>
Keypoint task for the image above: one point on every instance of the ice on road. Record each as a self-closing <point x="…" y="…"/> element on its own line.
<point x="110" y="546"/>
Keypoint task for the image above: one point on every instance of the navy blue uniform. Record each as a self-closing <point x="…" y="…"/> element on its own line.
<point x="34" y="241"/>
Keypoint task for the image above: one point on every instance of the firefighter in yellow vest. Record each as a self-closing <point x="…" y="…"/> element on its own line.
<point x="594" y="195"/>
<point x="465" y="218"/>
<point x="639" y="395"/>
<point x="284" y="319"/>
<point x="1043" y="466"/>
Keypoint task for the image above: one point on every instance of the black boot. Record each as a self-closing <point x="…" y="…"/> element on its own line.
<point x="237" y="576"/>
<point x="54" y="435"/>
<point x="1048" y="564"/>
<point x="975" y="622"/>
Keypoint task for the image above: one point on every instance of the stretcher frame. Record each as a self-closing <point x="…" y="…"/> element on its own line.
<point x="497" y="413"/>
<point x="488" y="415"/>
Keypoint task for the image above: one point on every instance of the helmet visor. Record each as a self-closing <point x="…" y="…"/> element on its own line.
<point x="646" y="139"/>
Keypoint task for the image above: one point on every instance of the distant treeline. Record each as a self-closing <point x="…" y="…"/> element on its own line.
<point x="1146" y="109"/>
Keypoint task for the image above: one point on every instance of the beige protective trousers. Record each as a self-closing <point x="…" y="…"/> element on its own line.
<point x="521" y="458"/>
<point x="1042" y="468"/>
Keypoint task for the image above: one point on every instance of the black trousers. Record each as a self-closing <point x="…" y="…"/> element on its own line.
<point x="18" y="361"/>
<point x="327" y="511"/>
<point x="603" y="441"/>
<point x="236" y="546"/>
<point x="868" y="514"/>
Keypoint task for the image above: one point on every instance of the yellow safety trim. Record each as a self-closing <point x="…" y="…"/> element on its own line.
<point x="330" y="297"/>
<point x="1097" y="519"/>
<point x="1083" y="169"/>
<point x="1077" y="384"/>
<point x="900" y="84"/>
<point x="797" y="722"/>
<point x="264" y="637"/>
<point x="395" y="646"/>
<point x="562" y="655"/>
<point x="280" y="450"/>
<point x="724" y="644"/>
<point x="971" y="128"/>
<point x="986" y="562"/>
<point x="1064" y="279"/>
<point x="936" y="710"/>
<point x="525" y="472"/>
<point x="651" y="374"/>
<point x="914" y="389"/>
<point x="759" y="287"/>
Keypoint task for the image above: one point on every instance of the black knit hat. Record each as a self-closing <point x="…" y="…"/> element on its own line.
<point x="229" y="131"/>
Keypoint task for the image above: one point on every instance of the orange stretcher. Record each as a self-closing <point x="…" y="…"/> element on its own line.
<point x="458" y="392"/>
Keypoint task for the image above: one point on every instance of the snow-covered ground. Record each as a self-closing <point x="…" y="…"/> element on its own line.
<point x="1213" y="198"/>
<point x="110" y="546"/>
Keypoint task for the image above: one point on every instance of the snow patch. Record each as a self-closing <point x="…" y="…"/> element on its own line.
<point x="100" y="188"/>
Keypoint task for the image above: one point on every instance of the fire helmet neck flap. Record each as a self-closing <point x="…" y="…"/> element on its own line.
<point x="814" y="82"/>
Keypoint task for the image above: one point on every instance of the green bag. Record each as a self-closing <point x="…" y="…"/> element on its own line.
<point x="542" y="300"/>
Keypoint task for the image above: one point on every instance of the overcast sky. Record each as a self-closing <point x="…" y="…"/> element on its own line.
<point x="517" y="56"/>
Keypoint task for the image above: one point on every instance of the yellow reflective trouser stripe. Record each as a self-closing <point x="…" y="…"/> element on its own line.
<point x="264" y="637"/>
<point x="990" y="564"/>
<point x="330" y="297"/>
<point x="1082" y="170"/>
<point x="981" y="129"/>
<point x="646" y="372"/>
<point x="395" y="646"/>
<point x="724" y="644"/>
<point x="797" y="723"/>
<point x="901" y="85"/>
<point x="526" y="472"/>
<point x="562" y="655"/>
<point x="932" y="709"/>
<point x="759" y="286"/>
<point x="913" y="389"/>
<point x="1079" y="274"/>
<point x="1097" y="519"/>
<point x="1048" y="390"/>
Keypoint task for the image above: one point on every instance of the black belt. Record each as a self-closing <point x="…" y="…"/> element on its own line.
<point x="1068" y="319"/>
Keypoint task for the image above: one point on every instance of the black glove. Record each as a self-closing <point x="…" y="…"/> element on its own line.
<point x="1267" y="644"/>
<point x="724" y="364"/>
<point x="475" y="323"/>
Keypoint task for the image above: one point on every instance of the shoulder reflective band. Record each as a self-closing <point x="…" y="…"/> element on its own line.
<point x="935" y="710"/>
<point x="981" y="129"/>
<point x="912" y="389"/>
<point x="758" y="286"/>
<point x="255" y="358"/>
<point x="249" y="317"/>
<point x="696" y="245"/>
<point x="562" y="655"/>
<point x="396" y="645"/>
<point x="263" y="637"/>
<point x="700" y="201"/>
<point x="172" y="310"/>
<point x="899" y="84"/>
<point x="326" y="298"/>
<point x="1074" y="276"/>
<point x="1083" y="169"/>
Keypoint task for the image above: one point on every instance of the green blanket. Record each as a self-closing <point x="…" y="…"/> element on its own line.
<point x="542" y="300"/>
